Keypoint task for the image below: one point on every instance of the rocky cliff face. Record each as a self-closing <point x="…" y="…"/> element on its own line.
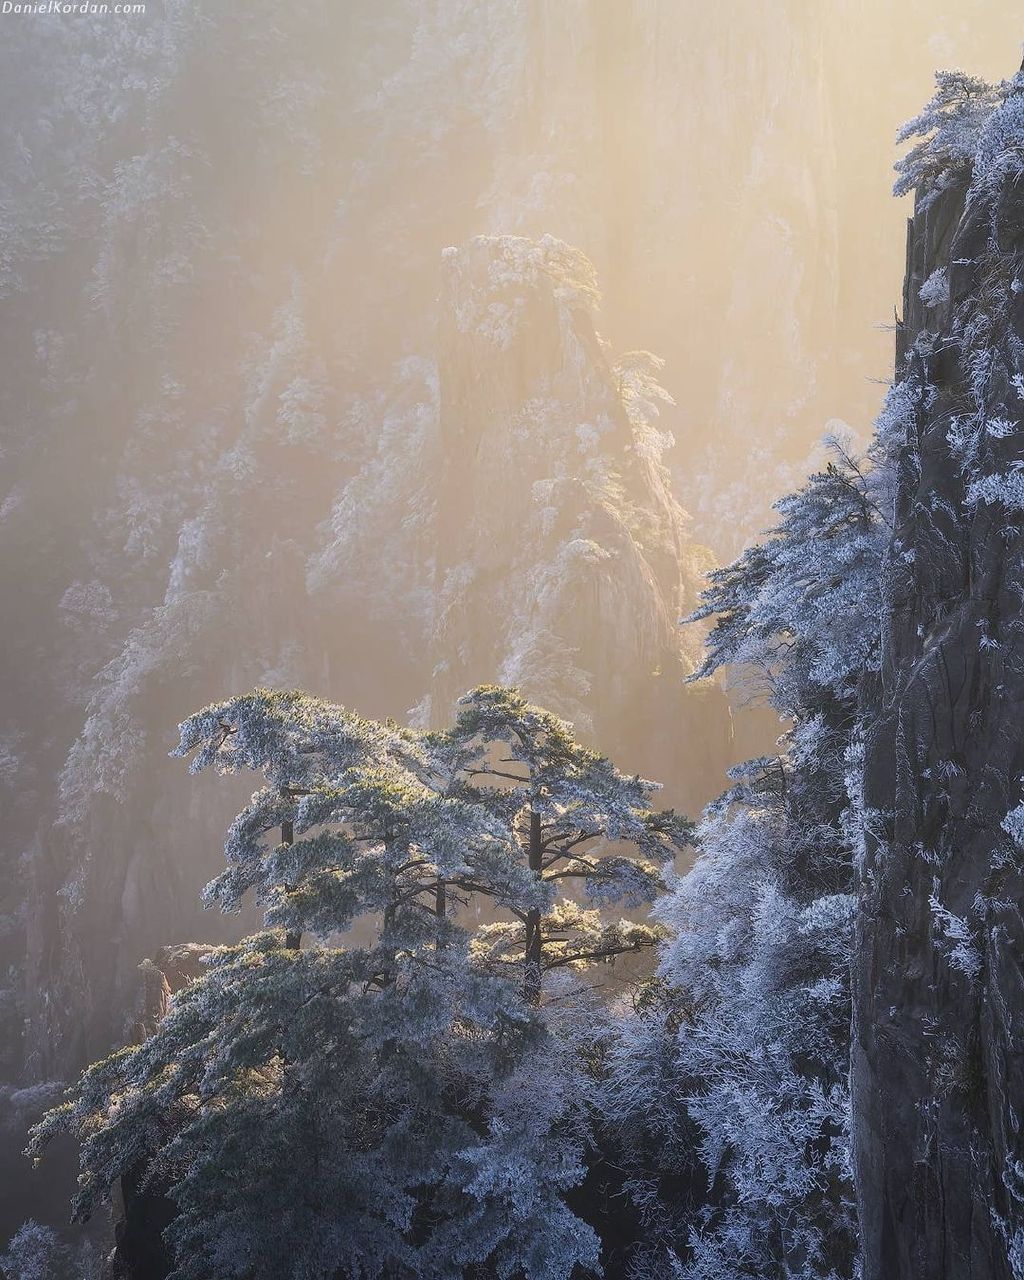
<point x="938" y="1052"/>
<point x="564" y="561"/>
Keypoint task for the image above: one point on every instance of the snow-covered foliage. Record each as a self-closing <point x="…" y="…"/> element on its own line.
<point x="999" y="155"/>
<point x="983" y="294"/>
<point x="572" y="815"/>
<point x="1013" y="825"/>
<point x="765" y="1052"/>
<point x="799" y="610"/>
<point x="36" y="1252"/>
<point x="958" y="939"/>
<point x="515" y="268"/>
<point x="390" y="500"/>
<point x="935" y="290"/>
<point x="948" y="127"/>
<point x="396" y="1072"/>
<point x="746" y="1035"/>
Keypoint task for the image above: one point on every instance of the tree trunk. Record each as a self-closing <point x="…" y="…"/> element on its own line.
<point x="534" y="944"/>
<point x="293" y="938"/>
<point x="441" y="909"/>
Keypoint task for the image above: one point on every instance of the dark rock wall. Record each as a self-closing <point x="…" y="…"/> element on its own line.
<point x="938" y="1025"/>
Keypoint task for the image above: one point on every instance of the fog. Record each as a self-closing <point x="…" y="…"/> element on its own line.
<point x="272" y="413"/>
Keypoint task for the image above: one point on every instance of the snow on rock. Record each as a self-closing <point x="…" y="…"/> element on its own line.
<point x="564" y="561"/>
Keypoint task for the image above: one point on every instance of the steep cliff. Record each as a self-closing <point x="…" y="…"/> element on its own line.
<point x="938" y="984"/>
<point x="564" y="561"/>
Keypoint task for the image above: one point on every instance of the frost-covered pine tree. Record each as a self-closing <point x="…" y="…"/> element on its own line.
<point x="319" y="1106"/>
<point x="742" y="1045"/>
<point x="572" y="818"/>
<point x="342" y="1094"/>
<point x="947" y="134"/>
